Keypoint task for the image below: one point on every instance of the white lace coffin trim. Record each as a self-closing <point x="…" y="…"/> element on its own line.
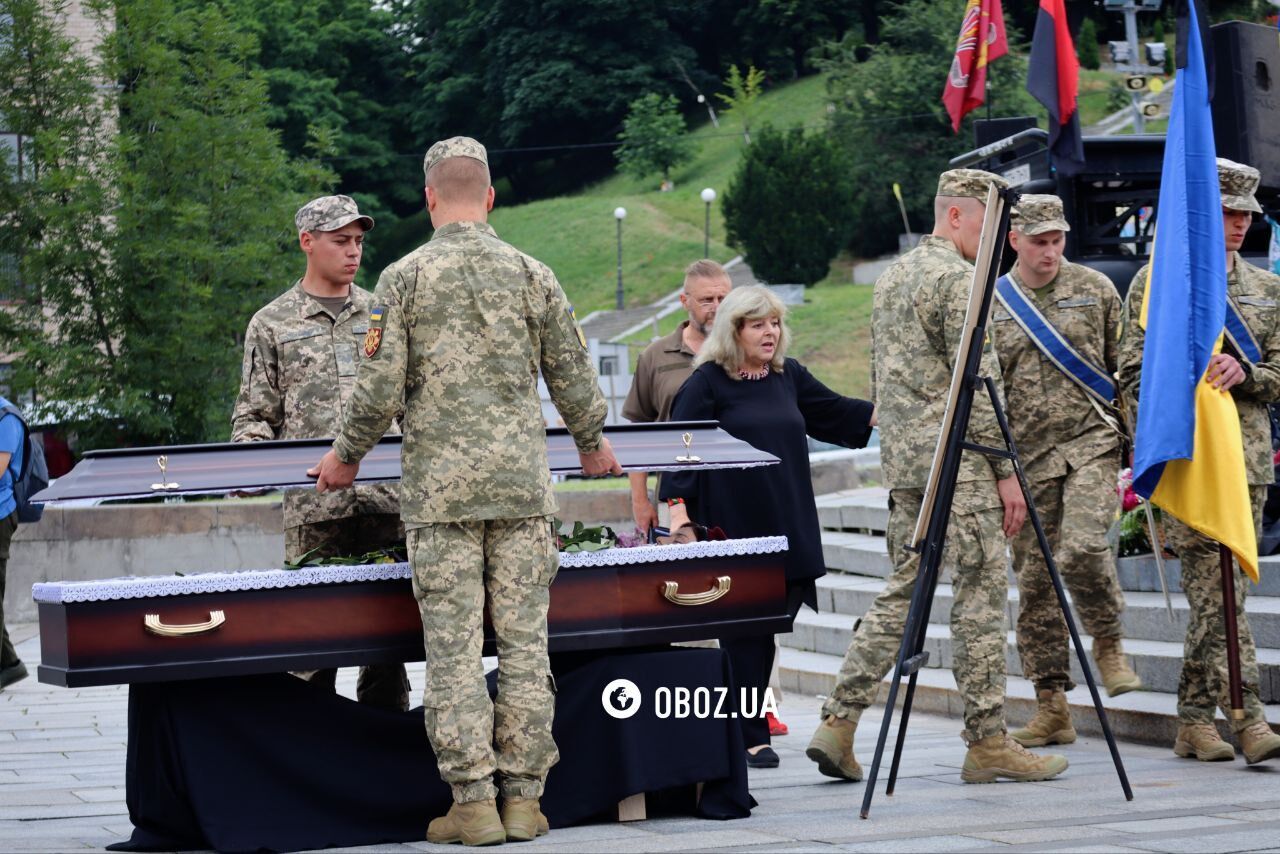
<point x="146" y="587"/>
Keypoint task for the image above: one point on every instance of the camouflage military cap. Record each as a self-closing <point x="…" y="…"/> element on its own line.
<point x="330" y="213"/>
<point x="1036" y="214"/>
<point x="971" y="183"/>
<point x="457" y="146"/>
<point x="1238" y="182"/>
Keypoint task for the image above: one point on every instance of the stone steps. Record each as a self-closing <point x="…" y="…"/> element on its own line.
<point x="857" y="561"/>
<point x="852" y="541"/>
<point x="1157" y="662"/>
<point x="1144" y="717"/>
<point x="1144" y="617"/>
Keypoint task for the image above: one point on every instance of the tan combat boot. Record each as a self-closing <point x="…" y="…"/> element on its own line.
<point x="998" y="756"/>
<point x="523" y="819"/>
<point x="1259" y="743"/>
<point x="832" y="748"/>
<point x="1051" y="723"/>
<point x="1117" y="676"/>
<point x="1203" y="742"/>
<point x="472" y="823"/>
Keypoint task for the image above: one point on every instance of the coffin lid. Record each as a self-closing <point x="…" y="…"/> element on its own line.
<point x="224" y="467"/>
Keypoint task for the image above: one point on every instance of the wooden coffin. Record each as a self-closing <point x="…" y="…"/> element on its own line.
<point x="146" y="629"/>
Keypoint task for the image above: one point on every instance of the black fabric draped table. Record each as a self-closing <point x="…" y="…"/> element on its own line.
<point x="271" y="763"/>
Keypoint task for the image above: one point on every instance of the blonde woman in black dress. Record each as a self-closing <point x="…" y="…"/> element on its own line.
<point x="743" y="379"/>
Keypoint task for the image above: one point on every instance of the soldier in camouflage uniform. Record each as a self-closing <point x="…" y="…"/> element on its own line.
<point x="300" y="356"/>
<point x="917" y="322"/>
<point x="1069" y="445"/>
<point x="1203" y="685"/>
<point x="461" y="328"/>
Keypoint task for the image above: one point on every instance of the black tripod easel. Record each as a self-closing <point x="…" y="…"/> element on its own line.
<point x="912" y="655"/>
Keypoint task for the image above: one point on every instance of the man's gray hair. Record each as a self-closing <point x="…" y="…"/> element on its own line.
<point x="704" y="268"/>
<point x="744" y="304"/>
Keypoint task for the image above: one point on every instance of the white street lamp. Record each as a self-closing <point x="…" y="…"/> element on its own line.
<point x="619" y="213"/>
<point x="708" y="196"/>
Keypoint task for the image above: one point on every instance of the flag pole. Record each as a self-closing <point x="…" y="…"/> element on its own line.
<point x="1235" y="686"/>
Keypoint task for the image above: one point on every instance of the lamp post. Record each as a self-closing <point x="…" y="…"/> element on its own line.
<point x="711" y="111"/>
<point x="708" y="196"/>
<point x="620" y="214"/>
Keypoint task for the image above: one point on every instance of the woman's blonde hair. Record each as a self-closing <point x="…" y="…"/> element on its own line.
<point x="752" y="302"/>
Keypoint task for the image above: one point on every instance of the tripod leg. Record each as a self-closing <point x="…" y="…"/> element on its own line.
<point x="1061" y="592"/>
<point x="909" y="657"/>
<point x="884" y="731"/>
<point x="929" y="582"/>
<point x="902" y="735"/>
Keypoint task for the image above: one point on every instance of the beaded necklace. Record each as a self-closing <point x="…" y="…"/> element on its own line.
<point x="754" y="375"/>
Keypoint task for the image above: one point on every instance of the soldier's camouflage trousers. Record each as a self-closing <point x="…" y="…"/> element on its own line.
<point x="382" y="685"/>
<point x="455" y="566"/>
<point x="1203" y="684"/>
<point x="976" y="553"/>
<point x="1076" y="511"/>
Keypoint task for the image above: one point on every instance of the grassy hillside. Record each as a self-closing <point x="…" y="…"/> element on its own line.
<point x="577" y="236"/>
<point x="663" y="232"/>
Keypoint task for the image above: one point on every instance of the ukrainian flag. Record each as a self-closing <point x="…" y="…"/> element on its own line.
<point x="1188" y="451"/>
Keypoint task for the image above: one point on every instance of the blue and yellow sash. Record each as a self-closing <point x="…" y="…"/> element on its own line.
<point x="1239" y="334"/>
<point x="1096" y="382"/>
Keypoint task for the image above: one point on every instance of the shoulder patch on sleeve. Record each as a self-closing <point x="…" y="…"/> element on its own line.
<point x="573" y="321"/>
<point x="373" y="336"/>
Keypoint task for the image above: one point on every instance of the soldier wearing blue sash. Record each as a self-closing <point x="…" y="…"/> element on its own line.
<point x="1056" y="326"/>
<point x="1249" y="367"/>
<point x="917" y="320"/>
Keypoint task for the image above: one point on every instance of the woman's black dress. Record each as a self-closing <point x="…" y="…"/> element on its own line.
<point x="773" y="414"/>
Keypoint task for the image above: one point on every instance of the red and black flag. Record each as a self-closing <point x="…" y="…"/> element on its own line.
<point x="1053" y="78"/>
<point x="982" y="39"/>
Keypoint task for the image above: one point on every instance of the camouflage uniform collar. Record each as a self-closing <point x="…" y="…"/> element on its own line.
<point x="939" y="242"/>
<point x="309" y="306"/>
<point x="1063" y="266"/>
<point x="464" y="225"/>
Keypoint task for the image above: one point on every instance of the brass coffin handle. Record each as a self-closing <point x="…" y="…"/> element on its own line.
<point x="671" y="592"/>
<point x="154" y="625"/>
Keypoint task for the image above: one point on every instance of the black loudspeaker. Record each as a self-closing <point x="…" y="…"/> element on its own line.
<point x="1246" y="97"/>
<point x="987" y="131"/>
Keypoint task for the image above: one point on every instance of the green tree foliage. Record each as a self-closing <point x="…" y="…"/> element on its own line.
<point x="522" y="75"/>
<point x="888" y="115"/>
<point x="55" y="214"/>
<point x="156" y="220"/>
<point x="743" y="97"/>
<point x="338" y="71"/>
<point x="205" y="222"/>
<point x="654" y="137"/>
<point x="777" y="35"/>
<point x="790" y="205"/>
<point x="1087" y="46"/>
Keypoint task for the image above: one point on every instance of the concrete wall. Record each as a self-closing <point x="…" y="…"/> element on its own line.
<point x="76" y="543"/>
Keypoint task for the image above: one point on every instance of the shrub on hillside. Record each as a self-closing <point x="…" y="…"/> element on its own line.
<point x="789" y="207"/>
<point x="654" y="137"/>
<point x="1087" y="46"/>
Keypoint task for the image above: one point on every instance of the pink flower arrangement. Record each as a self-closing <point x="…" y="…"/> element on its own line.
<point x="1124" y="488"/>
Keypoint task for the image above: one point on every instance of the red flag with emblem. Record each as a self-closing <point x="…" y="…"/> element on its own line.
<point x="982" y="39"/>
